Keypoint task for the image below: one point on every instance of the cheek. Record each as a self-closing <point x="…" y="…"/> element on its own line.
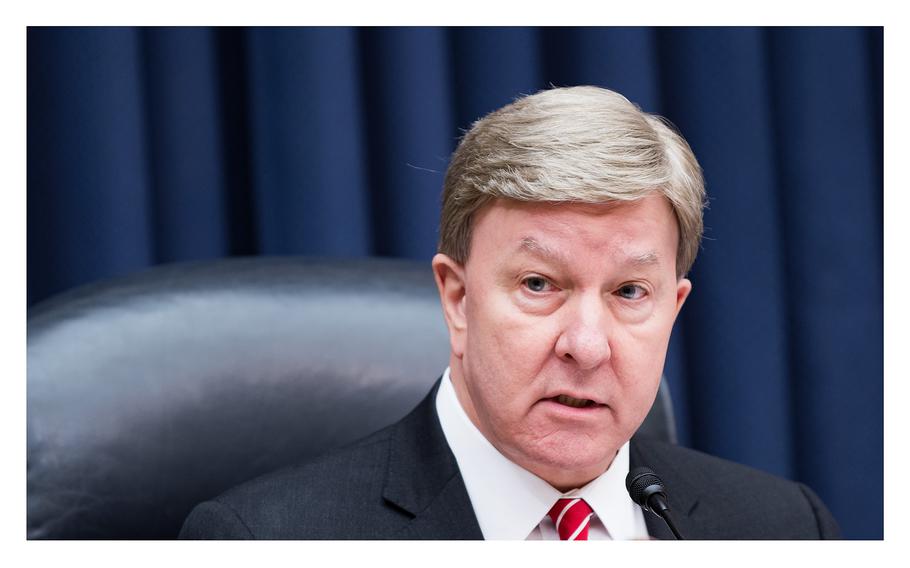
<point x="638" y="359"/>
<point x="643" y="350"/>
<point x="506" y="349"/>
<point x="651" y="336"/>
<point x="510" y="334"/>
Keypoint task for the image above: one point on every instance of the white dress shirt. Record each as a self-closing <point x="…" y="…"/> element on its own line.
<point x="512" y="503"/>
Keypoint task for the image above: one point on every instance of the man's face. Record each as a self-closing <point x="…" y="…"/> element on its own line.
<point x="557" y="301"/>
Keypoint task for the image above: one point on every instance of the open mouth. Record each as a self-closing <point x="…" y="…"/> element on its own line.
<point x="573" y="402"/>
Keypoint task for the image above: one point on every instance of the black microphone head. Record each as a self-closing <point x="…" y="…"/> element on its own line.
<point x="642" y="484"/>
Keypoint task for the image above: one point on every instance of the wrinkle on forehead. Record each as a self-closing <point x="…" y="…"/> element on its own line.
<point x="536" y="248"/>
<point x="544" y="226"/>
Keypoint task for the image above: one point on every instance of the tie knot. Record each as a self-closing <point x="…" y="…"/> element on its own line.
<point x="571" y="517"/>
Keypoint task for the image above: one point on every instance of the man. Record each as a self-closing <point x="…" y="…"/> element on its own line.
<point x="570" y="219"/>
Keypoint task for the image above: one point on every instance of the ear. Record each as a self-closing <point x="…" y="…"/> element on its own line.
<point x="450" y="281"/>
<point x="683" y="288"/>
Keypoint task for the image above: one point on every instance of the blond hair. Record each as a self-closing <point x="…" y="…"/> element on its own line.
<point x="572" y="144"/>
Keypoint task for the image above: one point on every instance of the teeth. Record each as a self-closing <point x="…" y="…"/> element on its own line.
<point x="574" y="402"/>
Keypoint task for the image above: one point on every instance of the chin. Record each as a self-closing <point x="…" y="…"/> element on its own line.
<point x="571" y="458"/>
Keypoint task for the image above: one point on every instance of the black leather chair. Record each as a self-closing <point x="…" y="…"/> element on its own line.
<point x="150" y="393"/>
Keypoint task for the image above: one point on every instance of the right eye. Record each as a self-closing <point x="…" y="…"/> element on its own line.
<point x="537" y="284"/>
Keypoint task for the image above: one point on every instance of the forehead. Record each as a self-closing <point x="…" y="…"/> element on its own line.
<point x="644" y="230"/>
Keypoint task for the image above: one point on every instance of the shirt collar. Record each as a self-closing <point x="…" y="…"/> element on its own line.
<point x="510" y="501"/>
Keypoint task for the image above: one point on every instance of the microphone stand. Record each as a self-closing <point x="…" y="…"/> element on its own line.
<point x="660" y="507"/>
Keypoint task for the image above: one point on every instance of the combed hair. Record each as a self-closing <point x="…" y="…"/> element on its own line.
<point x="573" y="144"/>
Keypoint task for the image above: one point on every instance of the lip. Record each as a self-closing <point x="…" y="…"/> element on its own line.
<point x="576" y="395"/>
<point x="550" y="405"/>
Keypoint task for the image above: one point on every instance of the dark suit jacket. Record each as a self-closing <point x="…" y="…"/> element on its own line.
<point x="403" y="483"/>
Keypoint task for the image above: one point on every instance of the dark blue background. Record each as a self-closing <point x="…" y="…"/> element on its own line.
<point x="148" y="146"/>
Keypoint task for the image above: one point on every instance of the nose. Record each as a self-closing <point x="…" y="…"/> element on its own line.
<point x="585" y="336"/>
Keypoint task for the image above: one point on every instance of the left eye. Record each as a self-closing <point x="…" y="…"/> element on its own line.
<point x="631" y="291"/>
<point x="536" y="284"/>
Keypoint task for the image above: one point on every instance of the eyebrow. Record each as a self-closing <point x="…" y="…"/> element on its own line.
<point x="645" y="258"/>
<point x="538" y="249"/>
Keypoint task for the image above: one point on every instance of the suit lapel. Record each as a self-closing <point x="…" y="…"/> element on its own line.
<point x="683" y="496"/>
<point x="423" y="479"/>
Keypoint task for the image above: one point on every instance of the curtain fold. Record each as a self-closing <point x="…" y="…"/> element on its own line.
<point x="89" y="204"/>
<point x="310" y="180"/>
<point x="830" y="203"/>
<point x="411" y="135"/>
<point x="155" y="145"/>
<point x="185" y="156"/>
<point x="714" y="84"/>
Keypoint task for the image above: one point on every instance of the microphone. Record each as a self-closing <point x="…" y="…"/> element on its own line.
<point x="647" y="490"/>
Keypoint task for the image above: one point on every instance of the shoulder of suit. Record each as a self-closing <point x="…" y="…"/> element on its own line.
<point x="304" y="495"/>
<point x="733" y="500"/>
<point x="673" y="460"/>
<point x="339" y="494"/>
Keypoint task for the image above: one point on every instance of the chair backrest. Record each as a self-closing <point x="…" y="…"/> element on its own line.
<point x="151" y="393"/>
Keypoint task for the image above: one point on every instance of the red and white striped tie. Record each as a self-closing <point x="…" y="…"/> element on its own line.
<point x="571" y="517"/>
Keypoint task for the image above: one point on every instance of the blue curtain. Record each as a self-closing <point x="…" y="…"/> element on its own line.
<point x="149" y="146"/>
